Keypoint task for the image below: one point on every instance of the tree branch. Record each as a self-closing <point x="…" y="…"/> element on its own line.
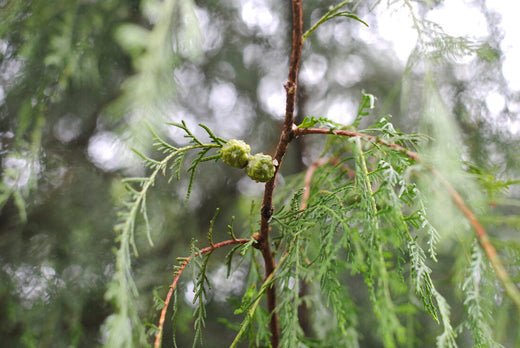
<point x="352" y="134"/>
<point x="480" y="232"/>
<point x="178" y="273"/>
<point x="285" y="138"/>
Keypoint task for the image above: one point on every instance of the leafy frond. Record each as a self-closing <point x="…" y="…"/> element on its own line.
<point x="313" y="121"/>
<point x="336" y="297"/>
<point x="419" y="220"/>
<point x="333" y="12"/>
<point x="434" y="43"/>
<point x="122" y="289"/>
<point x="229" y="259"/>
<point x="478" y="315"/>
<point x="366" y="104"/>
<point x="425" y="289"/>
<point x="211" y="224"/>
<point x="288" y="307"/>
<point x="200" y="298"/>
<point x="377" y="277"/>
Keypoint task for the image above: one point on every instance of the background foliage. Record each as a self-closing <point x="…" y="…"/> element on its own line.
<point x="83" y="81"/>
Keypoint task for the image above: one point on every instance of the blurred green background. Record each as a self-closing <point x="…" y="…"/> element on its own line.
<point x="80" y="82"/>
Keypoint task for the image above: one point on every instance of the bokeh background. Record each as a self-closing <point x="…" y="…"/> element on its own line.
<point x="81" y="82"/>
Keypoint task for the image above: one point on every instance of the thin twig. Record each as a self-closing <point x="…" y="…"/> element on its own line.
<point x="178" y="273"/>
<point x="352" y="134"/>
<point x="480" y="232"/>
<point x="308" y="179"/>
<point x="285" y="138"/>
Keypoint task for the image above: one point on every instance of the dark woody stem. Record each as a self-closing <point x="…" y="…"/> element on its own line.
<point x="285" y="138"/>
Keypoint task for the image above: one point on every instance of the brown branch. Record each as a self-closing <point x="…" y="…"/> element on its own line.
<point x="352" y="134"/>
<point x="480" y="232"/>
<point x="285" y="138"/>
<point x="483" y="238"/>
<point x="178" y="273"/>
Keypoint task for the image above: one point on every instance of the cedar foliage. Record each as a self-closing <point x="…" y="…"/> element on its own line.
<point x="372" y="225"/>
<point x="369" y="217"/>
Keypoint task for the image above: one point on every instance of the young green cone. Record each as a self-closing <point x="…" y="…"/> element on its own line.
<point x="260" y="167"/>
<point x="235" y="153"/>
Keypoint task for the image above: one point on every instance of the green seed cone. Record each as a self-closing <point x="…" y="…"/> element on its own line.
<point x="235" y="153"/>
<point x="260" y="167"/>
